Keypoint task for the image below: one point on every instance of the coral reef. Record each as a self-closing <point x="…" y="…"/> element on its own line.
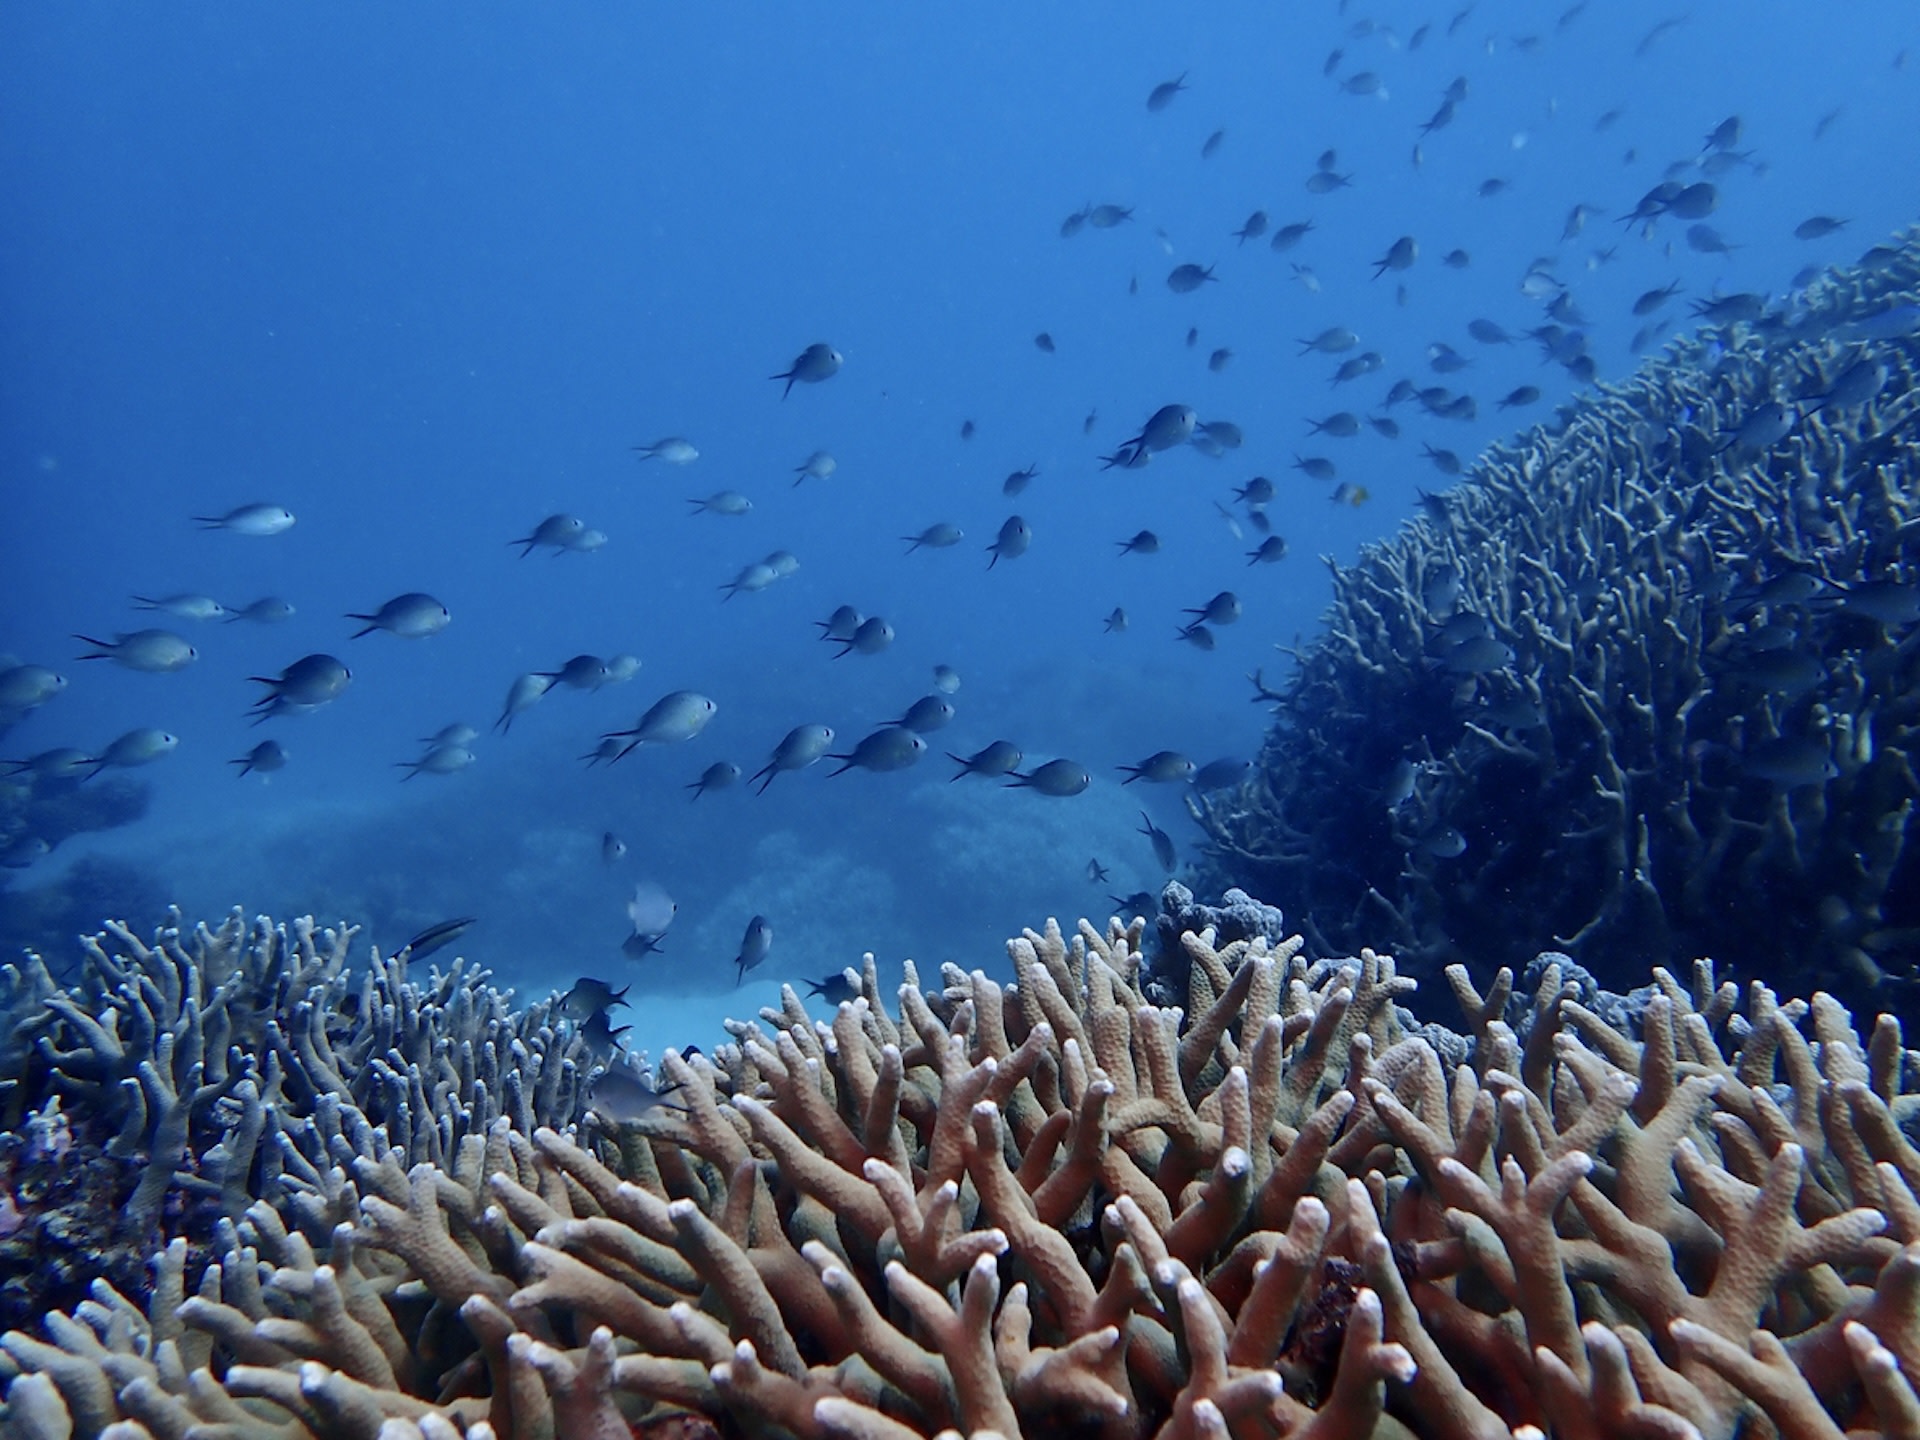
<point x="191" y="1075"/>
<point x="1050" y="1206"/>
<point x="1647" y="681"/>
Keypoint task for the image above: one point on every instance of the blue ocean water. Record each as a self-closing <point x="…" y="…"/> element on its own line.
<point x="425" y="277"/>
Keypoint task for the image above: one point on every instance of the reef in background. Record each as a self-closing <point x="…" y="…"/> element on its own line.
<point x="388" y="1210"/>
<point x="1646" y="683"/>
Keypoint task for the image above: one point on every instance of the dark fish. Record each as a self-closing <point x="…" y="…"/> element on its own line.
<point x="1707" y="241"/>
<point x="1212" y="145"/>
<point x="929" y="712"/>
<point x="835" y="989"/>
<point x="434" y="937"/>
<point x="1817" y="227"/>
<point x="1222" y="609"/>
<point x="600" y="1037"/>
<point x="1096" y="873"/>
<point x="1763" y="429"/>
<point x="717" y="776"/>
<point x="1335" y="340"/>
<point x="1014" y="538"/>
<point x="623" y="1094"/>
<point x="1167" y="427"/>
<point x="1185" y="279"/>
<point x="1288" y="236"/>
<point x="1161" y="767"/>
<point x="934" y="537"/>
<point x="1255" y="227"/>
<point x="1477" y="656"/>
<point x="310" y="681"/>
<point x="1695" y="201"/>
<point x="1853" y="387"/>
<point x="1002" y="757"/>
<point x="1652" y="300"/>
<point x="1162" y="842"/>
<point x="819" y="361"/>
<point x="268" y="755"/>
<point x="1270" y="551"/>
<point x="890" y="748"/>
<point x="1141" y="542"/>
<point x="558" y="532"/>
<point x="1162" y="94"/>
<point x="1217" y="361"/>
<point x="870" y="637"/>
<point x="1791" y="761"/>
<point x="1522" y="395"/>
<point x="589" y="997"/>
<point x="1743" y="308"/>
<point x="1342" y="425"/>
<point x="1044" y="341"/>
<point x="1400" y="256"/>
<point x="754" y="947"/>
<point x="1221" y="774"/>
<point x="798" y="748"/>
<point x="1198" y="635"/>
<point x="1060" y="778"/>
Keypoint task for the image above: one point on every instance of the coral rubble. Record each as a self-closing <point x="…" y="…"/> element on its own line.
<point x="1647" y="681"/>
<point x="1052" y="1205"/>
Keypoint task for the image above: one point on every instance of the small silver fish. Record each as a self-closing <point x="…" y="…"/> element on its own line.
<point x="819" y="361"/>
<point x="522" y="695"/>
<point x="556" y="532"/>
<point x="935" y="537"/>
<point x="680" y="715"/>
<point x="623" y="1094"/>
<point x="674" y="450"/>
<point x="157" y="652"/>
<point x="440" y="760"/>
<point x="136" y="747"/>
<point x="267" y="610"/>
<point x="869" y="637"/>
<point x="257" y="519"/>
<point x="798" y="748"/>
<point x="1014" y="538"/>
<point x="186" y="607"/>
<point x="434" y="937"/>
<point x="412" y="616"/>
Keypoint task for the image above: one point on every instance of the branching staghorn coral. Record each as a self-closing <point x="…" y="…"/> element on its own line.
<point x="1053" y="1205"/>
<point x="1712" y="690"/>
<point x="211" y="1067"/>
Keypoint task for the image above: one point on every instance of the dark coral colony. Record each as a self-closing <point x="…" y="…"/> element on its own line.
<point x="1189" y="1176"/>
